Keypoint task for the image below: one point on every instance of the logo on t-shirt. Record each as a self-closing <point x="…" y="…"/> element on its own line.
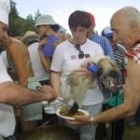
<point x="73" y="57"/>
<point x="87" y="55"/>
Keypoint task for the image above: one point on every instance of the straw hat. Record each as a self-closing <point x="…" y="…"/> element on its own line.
<point x="29" y="34"/>
<point x="45" y="20"/>
<point x="4" y="11"/>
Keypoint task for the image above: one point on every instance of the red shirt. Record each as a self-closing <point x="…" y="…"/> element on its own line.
<point x="134" y="52"/>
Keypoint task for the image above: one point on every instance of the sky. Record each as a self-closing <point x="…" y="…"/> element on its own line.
<point x="61" y="9"/>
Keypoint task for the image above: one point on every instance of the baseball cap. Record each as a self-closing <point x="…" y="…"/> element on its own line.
<point x="62" y="29"/>
<point x="107" y="32"/>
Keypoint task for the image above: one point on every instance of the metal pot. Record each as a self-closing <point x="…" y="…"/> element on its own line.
<point x="50" y="133"/>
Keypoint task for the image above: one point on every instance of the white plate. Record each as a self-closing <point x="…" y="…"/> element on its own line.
<point x="70" y="118"/>
<point x="54" y="103"/>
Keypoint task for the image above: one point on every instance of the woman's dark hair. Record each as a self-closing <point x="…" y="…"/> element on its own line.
<point x="79" y="19"/>
<point x="55" y="28"/>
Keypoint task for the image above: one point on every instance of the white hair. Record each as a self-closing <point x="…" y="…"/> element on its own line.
<point x="129" y="14"/>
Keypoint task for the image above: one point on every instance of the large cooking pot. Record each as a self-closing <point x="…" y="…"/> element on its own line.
<point x="50" y="133"/>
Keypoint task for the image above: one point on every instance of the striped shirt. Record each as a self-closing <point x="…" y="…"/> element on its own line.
<point x="104" y="43"/>
<point x="119" y="54"/>
<point x="134" y="53"/>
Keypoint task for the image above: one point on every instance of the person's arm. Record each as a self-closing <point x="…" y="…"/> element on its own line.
<point x="55" y="82"/>
<point x="46" y="62"/>
<point x="56" y="68"/>
<point x="20" y="65"/>
<point x="131" y="96"/>
<point x="17" y="95"/>
<point x="131" y="100"/>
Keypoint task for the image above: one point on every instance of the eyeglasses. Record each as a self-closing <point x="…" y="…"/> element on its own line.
<point x="81" y="53"/>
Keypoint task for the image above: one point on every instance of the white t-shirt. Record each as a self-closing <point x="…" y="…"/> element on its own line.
<point x="38" y="69"/>
<point x="7" y="117"/>
<point x="4" y="58"/>
<point x="66" y="59"/>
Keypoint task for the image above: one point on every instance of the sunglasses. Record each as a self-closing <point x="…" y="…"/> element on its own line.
<point x="81" y="53"/>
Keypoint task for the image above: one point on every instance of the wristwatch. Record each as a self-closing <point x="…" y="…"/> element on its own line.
<point x="92" y="121"/>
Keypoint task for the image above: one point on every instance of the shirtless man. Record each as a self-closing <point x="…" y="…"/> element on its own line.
<point x="126" y="26"/>
<point x="20" y="69"/>
<point x="10" y="93"/>
<point x="19" y="65"/>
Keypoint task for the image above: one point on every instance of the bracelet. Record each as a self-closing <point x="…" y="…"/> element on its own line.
<point x="92" y="121"/>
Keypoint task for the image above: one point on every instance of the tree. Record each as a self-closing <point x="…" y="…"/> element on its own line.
<point x="30" y="23"/>
<point x="18" y="25"/>
<point x="13" y="16"/>
<point x="37" y="14"/>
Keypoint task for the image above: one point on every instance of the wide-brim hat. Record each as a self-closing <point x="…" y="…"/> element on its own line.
<point x="29" y="34"/>
<point x="45" y="20"/>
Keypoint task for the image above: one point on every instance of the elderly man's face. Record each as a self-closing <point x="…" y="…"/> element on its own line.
<point x="121" y="32"/>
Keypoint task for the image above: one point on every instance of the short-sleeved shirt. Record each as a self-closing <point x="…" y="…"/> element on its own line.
<point x="49" y="48"/>
<point x="4" y="58"/>
<point x="66" y="60"/>
<point x="7" y="118"/>
<point x="119" y="54"/>
<point x="134" y="53"/>
<point x="104" y="43"/>
<point x="38" y="69"/>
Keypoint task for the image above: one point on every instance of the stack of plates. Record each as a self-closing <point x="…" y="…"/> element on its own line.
<point x="52" y="107"/>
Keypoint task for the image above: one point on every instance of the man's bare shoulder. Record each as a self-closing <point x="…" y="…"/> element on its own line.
<point x="17" y="46"/>
<point x="17" y="42"/>
<point x="133" y="67"/>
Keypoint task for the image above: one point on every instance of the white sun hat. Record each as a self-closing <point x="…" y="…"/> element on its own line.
<point x="45" y="20"/>
<point x="4" y="11"/>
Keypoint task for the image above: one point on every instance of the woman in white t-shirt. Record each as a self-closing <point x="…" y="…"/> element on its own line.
<point x="68" y="56"/>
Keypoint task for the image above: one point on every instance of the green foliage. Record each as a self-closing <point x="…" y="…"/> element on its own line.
<point x="37" y="14"/>
<point x="18" y="25"/>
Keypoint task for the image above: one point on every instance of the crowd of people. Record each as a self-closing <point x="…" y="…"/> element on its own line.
<point x="35" y="67"/>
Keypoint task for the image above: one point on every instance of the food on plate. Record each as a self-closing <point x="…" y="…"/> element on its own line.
<point x="65" y="111"/>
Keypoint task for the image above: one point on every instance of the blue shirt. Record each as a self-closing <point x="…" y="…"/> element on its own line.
<point x="104" y="43"/>
<point x="49" y="48"/>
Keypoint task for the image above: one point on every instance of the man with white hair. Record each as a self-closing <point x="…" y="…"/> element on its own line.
<point x="11" y="94"/>
<point x="126" y="26"/>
